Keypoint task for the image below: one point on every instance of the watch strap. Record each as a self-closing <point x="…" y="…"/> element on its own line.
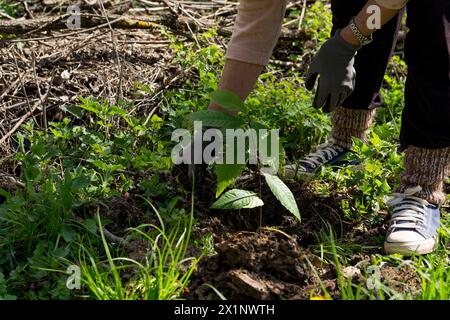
<point x="364" y="40"/>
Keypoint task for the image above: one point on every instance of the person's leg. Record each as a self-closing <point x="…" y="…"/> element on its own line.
<point x="355" y="115"/>
<point x="425" y="133"/>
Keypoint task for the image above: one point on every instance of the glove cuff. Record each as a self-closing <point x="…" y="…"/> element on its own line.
<point x="344" y="44"/>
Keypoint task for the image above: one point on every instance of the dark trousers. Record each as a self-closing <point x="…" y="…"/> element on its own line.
<point x="426" y="116"/>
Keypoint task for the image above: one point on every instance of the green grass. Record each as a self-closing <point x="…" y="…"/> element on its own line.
<point x="432" y="271"/>
<point x="10" y="8"/>
<point x="66" y="170"/>
<point x="162" y="275"/>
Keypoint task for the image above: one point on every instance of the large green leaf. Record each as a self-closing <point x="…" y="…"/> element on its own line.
<point x="226" y="175"/>
<point x="5" y="193"/>
<point x="238" y="199"/>
<point x="215" y="119"/>
<point x="282" y="193"/>
<point x="228" y="100"/>
<point x="80" y="183"/>
<point x="90" y="105"/>
<point x="73" y="110"/>
<point x="115" y="110"/>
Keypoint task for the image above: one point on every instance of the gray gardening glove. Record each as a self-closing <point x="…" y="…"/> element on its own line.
<point x="334" y="63"/>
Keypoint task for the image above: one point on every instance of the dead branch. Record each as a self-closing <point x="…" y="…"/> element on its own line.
<point x="180" y="24"/>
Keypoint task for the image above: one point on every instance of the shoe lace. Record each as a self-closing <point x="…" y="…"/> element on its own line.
<point x="324" y="152"/>
<point x="409" y="211"/>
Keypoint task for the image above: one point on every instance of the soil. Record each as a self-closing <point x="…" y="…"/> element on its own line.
<point x="280" y="259"/>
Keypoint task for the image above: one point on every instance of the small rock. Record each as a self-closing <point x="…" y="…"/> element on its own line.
<point x="251" y="286"/>
<point x="351" y="272"/>
<point x="65" y="75"/>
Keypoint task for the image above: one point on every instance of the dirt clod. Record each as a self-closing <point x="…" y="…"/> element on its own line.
<point x="255" y="266"/>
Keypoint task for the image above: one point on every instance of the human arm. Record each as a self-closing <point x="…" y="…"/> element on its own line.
<point x="255" y="34"/>
<point x="335" y="60"/>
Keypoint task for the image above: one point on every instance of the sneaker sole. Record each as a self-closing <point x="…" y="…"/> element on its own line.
<point x="410" y="248"/>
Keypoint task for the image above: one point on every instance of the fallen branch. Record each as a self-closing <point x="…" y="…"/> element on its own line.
<point x="86" y="21"/>
<point x="112" y="237"/>
<point x="9" y="181"/>
<point x="180" y="24"/>
<point x="39" y="103"/>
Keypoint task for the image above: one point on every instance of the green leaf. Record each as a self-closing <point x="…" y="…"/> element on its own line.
<point x="228" y="100"/>
<point x="283" y="194"/>
<point x="375" y="140"/>
<point x="106" y="166"/>
<point x="257" y="125"/>
<point x="80" y="183"/>
<point x="215" y="119"/>
<point x="5" y="193"/>
<point x="68" y="234"/>
<point x="90" y="225"/>
<point x="74" y="110"/>
<point x="66" y="198"/>
<point x="115" y="110"/>
<point x="226" y="175"/>
<point x="238" y="199"/>
<point x="3" y="289"/>
<point x="90" y="105"/>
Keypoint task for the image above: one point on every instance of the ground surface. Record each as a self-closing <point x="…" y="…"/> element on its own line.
<point x="242" y="256"/>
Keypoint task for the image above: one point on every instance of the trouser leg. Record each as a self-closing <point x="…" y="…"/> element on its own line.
<point x="355" y="116"/>
<point x="425" y="132"/>
<point x="426" y="117"/>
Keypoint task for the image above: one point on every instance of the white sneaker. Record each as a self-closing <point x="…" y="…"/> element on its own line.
<point x="414" y="225"/>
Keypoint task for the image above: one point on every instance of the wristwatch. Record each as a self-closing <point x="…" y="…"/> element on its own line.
<point x="363" y="40"/>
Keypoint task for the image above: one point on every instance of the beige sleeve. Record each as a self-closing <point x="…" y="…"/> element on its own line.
<point x="392" y="4"/>
<point x="256" y="30"/>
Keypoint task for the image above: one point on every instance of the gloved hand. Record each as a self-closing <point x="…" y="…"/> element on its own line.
<point x="334" y="63"/>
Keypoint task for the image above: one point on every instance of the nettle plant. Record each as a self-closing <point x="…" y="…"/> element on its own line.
<point x="253" y="137"/>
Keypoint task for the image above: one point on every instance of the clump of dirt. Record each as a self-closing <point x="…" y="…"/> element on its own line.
<point x="404" y="279"/>
<point x="256" y="266"/>
<point x="317" y="212"/>
<point x="119" y="213"/>
<point x="276" y="260"/>
<point x="123" y="213"/>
